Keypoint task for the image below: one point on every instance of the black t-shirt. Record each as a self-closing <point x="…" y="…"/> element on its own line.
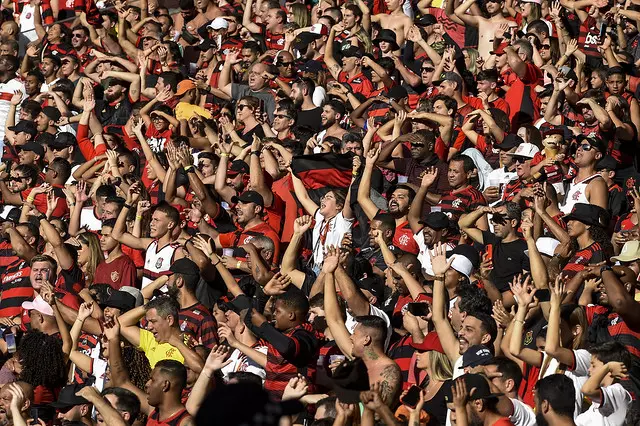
<point x="310" y="118"/>
<point x="114" y="115"/>
<point x="509" y="259"/>
<point x="248" y="137"/>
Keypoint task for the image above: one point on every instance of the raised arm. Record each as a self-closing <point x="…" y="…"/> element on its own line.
<point x="332" y="309"/>
<point x="303" y="196"/>
<point x="364" y="188"/>
<point x="119" y="232"/>
<point x="461" y="13"/>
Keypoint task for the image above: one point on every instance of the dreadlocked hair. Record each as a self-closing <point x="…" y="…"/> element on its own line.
<point x="42" y="360"/>
<point x="138" y="366"/>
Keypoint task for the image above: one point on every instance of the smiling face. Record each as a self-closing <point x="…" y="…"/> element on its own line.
<point x="328" y="117"/>
<point x="399" y="202"/>
<point x="471" y="333"/>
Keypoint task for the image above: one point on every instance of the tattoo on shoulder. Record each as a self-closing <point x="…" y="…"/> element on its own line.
<point x="390" y="383"/>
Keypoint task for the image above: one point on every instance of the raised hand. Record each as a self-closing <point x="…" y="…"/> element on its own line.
<point x="225" y="332"/>
<point x="439" y="261"/>
<point x="295" y="389"/>
<point x="133" y="195"/>
<point x="203" y="245"/>
<point x="277" y="284"/>
<point x="16" y="99"/>
<point x="331" y="260"/>
<point x="372" y="156"/>
<point x="617" y="369"/>
<point x="521" y="290"/>
<point x="85" y="311"/>
<point x="112" y="329"/>
<point x="302" y="224"/>
<point x="217" y="359"/>
<point x="429" y="177"/>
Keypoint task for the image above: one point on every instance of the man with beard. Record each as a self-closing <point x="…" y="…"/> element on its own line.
<point x="194" y="318"/>
<point x="9" y="85"/>
<point x="350" y="72"/>
<point x="116" y="109"/>
<point x="507" y="249"/>
<point x="422" y="158"/>
<point x="250" y="216"/>
<point x="332" y="114"/>
<point x="47" y="119"/>
<point x="71" y="408"/>
<point x="399" y="198"/>
<point x="552" y="405"/>
<point x="160" y="248"/>
<point x="15" y="402"/>
<point x="311" y="44"/>
<point x="49" y="66"/>
<point x="472" y="401"/>
<point x="81" y="42"/>
<point x="309" y="114"/>
<point x="478" y="328"/>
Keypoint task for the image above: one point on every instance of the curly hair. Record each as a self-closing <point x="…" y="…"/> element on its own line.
<point x="139" y="368"/>
<point x="42" y="360"/>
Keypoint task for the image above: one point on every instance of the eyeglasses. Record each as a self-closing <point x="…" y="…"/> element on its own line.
<point x="77" y="35"/>
<point x="585" y="147"/>
<point x="545" y="47"/>
<point x="429" y="69"/>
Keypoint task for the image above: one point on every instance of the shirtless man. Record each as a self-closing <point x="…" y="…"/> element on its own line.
<point x="486" y="27"/>
<point x="207" y="12"/>
<point x="366" y="342"/>
<point x="397" y="20"/>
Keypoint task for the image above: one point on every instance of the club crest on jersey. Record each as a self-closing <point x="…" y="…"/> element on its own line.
<point x="159" y="263"/>
<point x="456" y="203"/>
<point x="115" y="276"/>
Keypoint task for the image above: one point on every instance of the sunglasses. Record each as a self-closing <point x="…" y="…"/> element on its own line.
<point x="285" y="64"/>
<point x="15" y="178"/>
<point x="429" y="69"/>
<point x="281" y="116"/>
<point x="241" y="107"/>
<point x="417" y="145"/>
<point x="77" y="35"/>
<point x="545" y="47"/>
<point x="585" y="147"/>
<point x="521" y="160"/>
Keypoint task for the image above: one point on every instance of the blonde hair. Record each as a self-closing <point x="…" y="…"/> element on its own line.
<point x="300" y="15"/>
<point x="92" y="242"/>
<point x="473" y="56"/>
<point x="440" y="365"/>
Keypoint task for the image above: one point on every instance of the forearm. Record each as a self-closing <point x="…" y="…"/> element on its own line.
<point x="255" y="355"/>
<point x="591" y="388"/>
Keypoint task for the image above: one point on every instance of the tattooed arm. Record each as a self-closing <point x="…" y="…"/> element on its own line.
<point x="390" y="384"/>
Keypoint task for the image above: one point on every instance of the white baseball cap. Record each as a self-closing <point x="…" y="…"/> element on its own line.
<point x="39" y="305"/>
<point x="218" y="24"/>
<point x="462" y="264"/>
<point x="546" y="246"/>
<point x="527" y="150"/>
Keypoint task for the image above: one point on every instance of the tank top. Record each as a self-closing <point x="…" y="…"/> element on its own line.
<point x="157" y="262"/>
<point x="174" y="420"/>
<point x="577" y="193"/>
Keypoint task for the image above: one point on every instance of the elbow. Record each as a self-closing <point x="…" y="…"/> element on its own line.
<point x="619" y="305"/>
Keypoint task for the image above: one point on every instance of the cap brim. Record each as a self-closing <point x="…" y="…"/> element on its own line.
<point x="58" y="405"/>
<point x="623" y="258"/>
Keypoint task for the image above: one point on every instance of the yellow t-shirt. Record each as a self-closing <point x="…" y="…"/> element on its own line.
<point x="157" y="351"/>
<point x="184" y="111"/>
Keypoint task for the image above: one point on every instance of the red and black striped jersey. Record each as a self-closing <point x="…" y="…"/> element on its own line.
<point x="589" y="255"/>
<point x="402" y="353"/>
<point x="7" y="255"/>
<point x="198" y="321"/>
<point x="45" y="8"/>
<point x="16" y="288"/>
<point x="461" y="201"/>
<point x="86" y="344"/>
<point x="618" y="329"/>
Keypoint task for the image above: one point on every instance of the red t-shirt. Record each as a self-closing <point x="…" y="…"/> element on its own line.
<point x="240" y="237"/>
<point x="359" y="83"/>
<point x="120" y="272"/>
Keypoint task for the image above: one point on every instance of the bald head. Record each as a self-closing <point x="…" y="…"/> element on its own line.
<point x="9" y="30"/>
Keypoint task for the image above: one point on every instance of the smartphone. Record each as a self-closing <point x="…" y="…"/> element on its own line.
<point x="489" y="251"/>
<point x="10" y="338"/>
<point x="261" y="103"/>
<point x="543" y="295"/>
<point x="412" y="396"/>
<point x="419" y="309"/>
<point x="239" y="252"/>
<point x="603" y="32"/>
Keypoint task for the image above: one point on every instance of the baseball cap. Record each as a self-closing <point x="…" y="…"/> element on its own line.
<point x="449" y="76"/>
<point x="349" y="379"/>
<point x="52" y="113"/>
<point x="311" y="66"/>
<point x="249" y="197"/>
<point x="476" y="355"/>
<point x="436" y="221"/>
<point x="594" y="141"/>
<point x="469" y="252"/>
<point x="607" y="163"/>
<point x="237" y="167"/>
<point x="589" y="214"/>
<point x="63" y="140"/>
<point x="303" y="40"/>
<point x="34" y="147"/>
<point x="38" y="304"/>
<point x="352" y="52"/>
<point x="137" y="294"/>
<point x="630" y="252"/>
<point x="527" y="150"/>
<point x="500" y="49"/>
<point x="431" y="342"/>
<point x="397" y="93"/>
<point x="510" y="141"/>
<point x="120" y="300"/>
<point x="68" y="398"/>
<point x="25" y="126"/>
<point x="218" y="24"/>
<point x="472" y="381"/>
<point x="184" y="266"/>
<point x="321" y="29"/>
<point x="426" y="20"/>
<point x="546" y="246"/>
<point x="185" y="85"/>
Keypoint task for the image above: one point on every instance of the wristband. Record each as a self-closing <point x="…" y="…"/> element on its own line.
<point x="127" y="206"/>
<point x="606" y="268"/>
<point x="255" y="153"/>
<point x="520" y="321"/>
<point x="30" y="199"/>
<point x="224" y="154"/>
<point x="188" y="168"/>
<point x="138" y="217"/>
<point x="439" y="278"/>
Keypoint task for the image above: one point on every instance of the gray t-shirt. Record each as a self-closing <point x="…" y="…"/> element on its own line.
<point x="266" y="96"/>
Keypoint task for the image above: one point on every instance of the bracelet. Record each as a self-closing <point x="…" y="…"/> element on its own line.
<point x="138" y="217"/>
<point x="224" y="154"/>
<point x="30" y="199"/>
<point x="216" y="264"/>
<point x="354" y="174"/>
<point x="255" y="153"/>
<point x="439" y="277"/>
<point x="127" y="206"/>
<point x="188" y="168"/>
<point x="72" y="204"/>
<point x="520" y="321"/>
<point x="238" y="264"/>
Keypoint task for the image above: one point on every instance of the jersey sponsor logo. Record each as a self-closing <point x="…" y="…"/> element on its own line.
<point x="591" y="39"/>
<point x="13" y="277"/>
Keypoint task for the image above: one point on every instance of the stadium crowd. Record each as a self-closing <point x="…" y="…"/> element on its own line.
<point x="327" y="213"/>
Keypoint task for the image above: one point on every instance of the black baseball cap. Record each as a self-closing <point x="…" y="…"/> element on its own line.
<point x="472" y="381"/>
<point x="436" y="221"/>
<point x="352" y="52"/>
<point x="120" y="300"/>
<point x="34" y="147"/>
<point x="68" y="398"/>
<point x="595" y="141"/>
<point x="349" y="379"/>
<point x="25" y="126"/>
<point x="63" y="140"/>
<point x="397" y="93"/>
<point x="450" y="76"/>
<point x="426" y="20"/>
<point x="510" y="141"/>
<point x="236" y="167"/>
<point x="51" y="112"/>
<point x="45" y="138"/>
<point x="607" y="163"/>
<point x="476" y="355"/>
<point x="184" y="266"/>
<point x="249" y="197"/>
<point x="589" y="214"/>
<point x="303" y="40"/>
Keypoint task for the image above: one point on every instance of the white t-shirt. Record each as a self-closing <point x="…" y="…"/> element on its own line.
<point x="423" y="254"/>
<point x="578" y="375"/>
<point x="89" y="219"/>
<point x="332" y="231"/>
<point x="7" y="90"/>
<point x="610" y="411"/>
<point x="351" y="322"/>
<point x="522" y="415"/>
<point x="241" y="362"/>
